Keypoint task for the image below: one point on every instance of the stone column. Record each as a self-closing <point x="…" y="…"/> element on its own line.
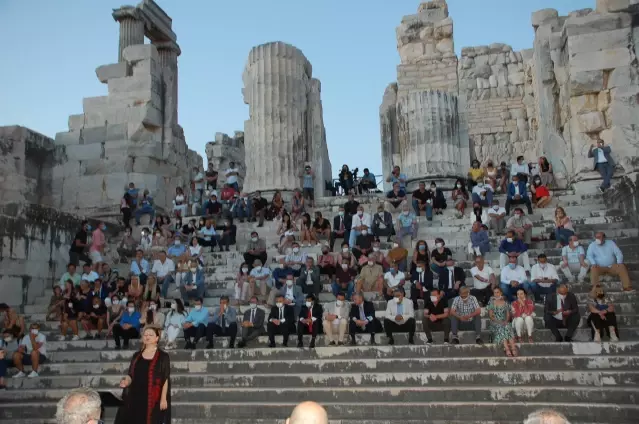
<point x="317" y="152"/>
<point x="131" y="27"/>
<point x="276" y="84"/>
<point x="168" y="52"/>
<point x="428" y="133"/>
<point x="388" y="129"/>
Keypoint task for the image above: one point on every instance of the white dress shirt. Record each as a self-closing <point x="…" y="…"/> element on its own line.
<point x="162" y="269"/>
<point x="358" y="221"/>
<point x="484" y="273"/>
<point x="393" y="280"/>
<point x="538" y="273"/>
<point x="518" y="274"/>
<point x="407" y="310"/>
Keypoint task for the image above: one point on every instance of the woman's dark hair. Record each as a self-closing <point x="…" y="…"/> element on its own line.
<point x="306" y="220"/>
<point x="520" y="289"/>
<point x="289" y="223"/>
<point x="244" y="264"/>
<point x="180" y="306"/>
<point x="463" y="184"/>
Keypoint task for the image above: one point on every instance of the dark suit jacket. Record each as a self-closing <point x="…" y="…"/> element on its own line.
<point x="592" y="153"/>
<point x="289" y="315"/>
<point x="570" y="304"/>
<point x="522" y="190"/>
<point x="314" y="288"/>
<point x="428" y="278"/>
<point x="348" y="221"/>
<point x="458" y="274"/>
<point x="369" y="310"/>
<point x="258" y="321"/>
<point x="387" y="221"/>
<point x="316" y="312"/>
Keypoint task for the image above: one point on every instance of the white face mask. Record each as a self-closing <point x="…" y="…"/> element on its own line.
<point x="371" y="263"/>
<point x="439" y="245"/>
<point x="375" y="249"/>
<point x="509" y="240"/>
<point x="562" y="296"/>
<point x="131" y="310"/>
<point x="177" y="242"/>
<point x="174" y="306"/>
<point x="193" y="269"/>
<point x="419" y="270"/>
<point x="406" y="212"/>
<point x="496" y="207"/>
<point x="344" y="267"/>
<point x="253" y="239"/>
<point x="198" y="307"/>
<point x="339" y="303"/>
<point x="309" y="304"/>
<point x="296" y="249"/>
<point x="116" y="302"/>
<point x="279" y="304"/>
<point x="96" y="306"/>
<point x="395" y="245"/>
<point x="575" y="243"/>
<point x="458" y="185"/>
<point x="70" y="305"/>
<point x="364" y="232"/>
<point x="253" y="305"/>
<point x="345" y="249"/>
<point x="8" y="339"/>
<point x="340" y="213"/>
<point x="434" y="299"/>
<point x="599" y="241"/>
<point x="244" y="270"/>
<point x="258" y="268"/>
<point x="289" y="283"/>
<point x="360" y="213"/>
<point x="34" y="331"/>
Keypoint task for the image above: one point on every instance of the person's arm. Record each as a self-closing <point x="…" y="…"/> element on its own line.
<point x="591" y="151"/>
<point x="590" y="254"/>
<point x="617" y="252"/>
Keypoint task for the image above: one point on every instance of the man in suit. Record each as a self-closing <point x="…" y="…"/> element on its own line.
<point x="310" y="321"/>
<point x="383" y="224"/>
<point x="562" y="311"/>
<point x="336" y="319"/>
<point x="362" y="318"/>
<point x="293" y="294"/>
<point x="252" y="323"/>
<point x="309" y="279"/>
<point x="422" y="278"/>
<point x="517" y="195"/>
<point x="400" y="317"/>
<point x="223" y="323"/>
<point x="341" y="226"/>
<point x="603" y="163"/>
<point x="451" y="279"/>
<point x="281" y="320"/>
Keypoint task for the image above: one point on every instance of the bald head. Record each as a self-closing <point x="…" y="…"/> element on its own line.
<point x="308" y="413"/>
<point x="546" y="416"/>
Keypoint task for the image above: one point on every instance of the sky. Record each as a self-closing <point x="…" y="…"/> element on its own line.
<point x="51" y="50"/>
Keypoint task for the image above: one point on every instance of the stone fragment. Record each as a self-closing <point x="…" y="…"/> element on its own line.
<point x="92" y="135"/>
<point x="586" y="82"/>
<point x="583" y="104"/>
<point x="591" y="122"/>
<point x="604" y="40"/>
<point x="114" y="70"/>
<point x="624" y="106"/>
<point x="482" y="71"/>
<point x="85" y="151"/>
<point x="136" y="53"/>
<point x="445" y="45"/>
<point x="541" y="16"/>
<point x="611" y="6"/>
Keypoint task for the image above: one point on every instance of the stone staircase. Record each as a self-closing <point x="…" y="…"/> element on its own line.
<point x="589" y="382"/>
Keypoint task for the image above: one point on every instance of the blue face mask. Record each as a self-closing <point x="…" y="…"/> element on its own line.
<point x="104" y="227"/>
<point x="88" y="228"/>
<point x="512" y="266"/>
<point x="391" y="269"/>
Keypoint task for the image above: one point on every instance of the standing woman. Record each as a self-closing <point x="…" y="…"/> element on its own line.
<point x="147" y="387"/>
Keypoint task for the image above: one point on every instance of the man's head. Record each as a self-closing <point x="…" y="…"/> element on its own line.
<point x="503" y="165"/>
<point x="308" y="413"/>
<point x="358" y="298"/>
<point x="422" y="186"/>
<point x="198" y="303"/>
<point x="464" y="292"/>
<point x="366" y="171"/>
<point x="340" y="211"/>
<point x="162" y="255"/>
<point x="360" y="210"/>
<point x="257" y="264"/>
<point x="600" y="237"/>
<point x="396" y="187"/>
<point x="224" y="300"/>
<point x="495" y="202"/>
<point x="177" y="240"/>
<point x="341" y="297"/>
<point x="512" y="261"/>
<point x="231" y="164"/>
<point x="406" y="209"/>
<point x="86" y="268"/>
<point x="541" y="258"/>
<point x="79" y="406"/>
<point x="510" y="236"/>
<point x="296" y="247"/>
<point x="562" y="289"/>
<point x="519" y="212"/>
<point x="450" y="262"/>
<point x="476" y="226"/>
<point x="479" y="262"/>
<point x="254" y="236"/>
<point x="310" y="299"/>
<point x="574" y="241"/>
<point x="71" y="268"/>
<point x="435" y="295"/>
<point x="289" y="280"/>
<point x="309" y="262"/>
<point x="396" y="170"/>
<point x="398" y="294"/>
<point x="546" y="416"/>
<point x="475" y="163"/>
<point x="515" y="179"/>
<point x="520" y="160"/>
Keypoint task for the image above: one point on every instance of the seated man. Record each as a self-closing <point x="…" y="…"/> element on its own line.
<point x="451" y="279"/>
<point x="95" y="319"/>
<point x="361" y="222"/>
<point x="383" y="224"/>
<point x="296" y="259"/>
<point x="482" y="195"/>
<point x="177" y="250"/>
<point x="280" y="273"/>
<point x="252" y="323"/>
<point x="310" y="321"/>
<point x="517" y="195"/>
<point x="146" y="208"/>
<point x="512" y="246"/>
<point x="423" y="201"/>
<point x="164" y="270"/>
<point x="479" y="243"/>
<point x="400" y="317"/>
<point x="439" y="201"/>
<point x="335" y="319"/>
<point x="422" y="279"/>
<point x="128" y="326"/>
<point x="227" y="233"/>
<point x="128" y="244"/>
<point x="393" y="279"/>
<point x="88" y="274"/>
<point x="326" y="263"/>
<point x="292" y="293"/>
<point x="436" y="315"/>
<point x="255" y="249"/>
<point x="439" y="255"/>
<point x="363" y="245"/>
<point x="243" y="208"/>
<point x="32" y="350"/>
<point x="465" y="313"/>
<point x="309" y="279"/>
<point x="193" y="285"/>
<point x="260" y="277"/>
<point x="371" y="278"/>
<point x="605" y="258"/>
<point x="367" y="182"/>
<point x="496" y="218"/>
<point x="208" y="237"/>
<point x="260" y="206"/>
<point x="562" y="311"/>
<point x="228" y="195"/>
<point x="362" y="318"/>
<point x="395" y="199"/>
<point x="344" y="280"/>
<point x="544" y="278"/>
<point x="573" y="259"/>
<point x="513" y="277"/>
<point x="223" y="323"/>
<point x="321" y="227"/>
<point x="484" y="281"/>
<point x="521" y="225"/>
<point x="281" y="320"/>
<point x="520" y="169"/>
<point x="212" y="208"/>
<point x="195" y="324"/>
<point x="341" y="227"/>
<point x="406" y="224"/>
<point x="72" y="275"/>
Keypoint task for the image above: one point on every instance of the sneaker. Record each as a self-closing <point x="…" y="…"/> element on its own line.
<point x="209" y="346"/>
<point x="455" y="341"/>
<point x="391" y="341"/>
<point x="446" y="341"/>
<point x="62" y="338"/>
<point x="20" y="374"/>
<point x="331" y="343"/>
<point x="33" y="374"/>
<point x="479" y="341"/>
<point x="613" y="337"/>
<point x="597" y="337"/>
<point x="75" y="338"/>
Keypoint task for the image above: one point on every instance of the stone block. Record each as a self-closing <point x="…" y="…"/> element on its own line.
<point x="138" y="83"/>
<point x="624" y="107"/>
<point x="76" y="122"/>
<point x="135" y="98"/>
<point x="586" y="82"/>
<point x="11" y="290"/>
<point x="610" y="6"/>
<point x="596" y="23"/>
<point x="445" y="45"/>
<point x="114" y="70"/>
<point x="138" y="52"/>
<point x="138" y="131"/>
<point x="543" y="15"/>
<point x="85" y="151"/>
<point x="91" y="104"/>
<point x="92" y="135"/>
<point x="583" y="104"/>
<point x="591" y="122"/>
<point x="107" y="165"/>
<point x="622" y="76"/>
<point x="116" y="132"/>
<point x="604" y="40"/>
<point x="146" y="67"/>
<point x="516" y="78"/>
<point x="67" y="138"/>
<point x="603" y="59"/>
<point x="482" y="71"/>
<point x="625" y="142"/>
<point x="603" y="100"/>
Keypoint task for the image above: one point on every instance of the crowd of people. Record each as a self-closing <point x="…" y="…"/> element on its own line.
<point x="165" y="284"/>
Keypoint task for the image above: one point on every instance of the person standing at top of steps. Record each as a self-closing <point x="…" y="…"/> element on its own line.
<point x="605" y="257"/>
<point x="603" y="162"/>
<point x="562" y="311"/>
<point x="308" y="413"/>
<point x="77" y="251"/>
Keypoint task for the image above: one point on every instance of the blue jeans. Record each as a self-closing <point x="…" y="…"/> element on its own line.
<point x="352" y="237"/>
<point x="606" y="172"/>
<point x="563" y="235"/>
<point x="336" y="288"/>
<point x="486" y="202"/>
<point x="428" y="210"/>
<point x="191" y="294"/>
<point x="510" y="293"/>
<point x="437" y="269"/>
<point x="144" y="210"/>
<point x="241" y="211"/>
<point x="235" y="186"/>
<point x="166" y="281"/>
<point x="539" y="290"/>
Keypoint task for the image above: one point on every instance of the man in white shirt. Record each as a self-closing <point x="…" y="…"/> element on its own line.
<point x="393" y="279"/>
<point x="88" y="274"/>
<point x="521" y="169"/>
<point x="335" y="319"/>
<point x="400" y="317"/>
<point x="513" y="277"/>
<point x="484" y="281"/>
<point x="573" y="259"/>
<point x="544" y="278"/>
<point x="231" y="175"/>
<point x="482" y="194"/>
<point x="497" y="218"/>
<point x="164" y="268"/>
<point x="32" y="350"/>
<point x="361" y="221"/>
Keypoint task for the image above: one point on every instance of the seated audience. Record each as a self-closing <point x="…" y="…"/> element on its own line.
<point x="400" y="317"/>
<point x="377" y="255"/>
<point x="482" y="194"/>
<point x="465" y="314"/>
<point x="341" y="227"/>
<point x="259" y="278"/>
<point x="564" y="229"/>
<point x="195" y="324"/>
<point x="193" y="284"/>
<point x="544" y="277"/>
<point x="180" y="203"/>
<point x="439" y="255"/>
<point x="420" y="254"/>
<point x="195" y="251"/>
<point x="89" y="274"/>
<point x="422" y="282"/>
<point x="520" y="170"/>
<point x="242" y="208"/>
<point x="115" y="309"/>
<point x="255" y="249"/>
<point x="395" y="199"/>
<point x="350" y="207"/>
<point x="223" y="323"/>
<point x="286" y="230"/>
<point x="296" y="259"/>
<point x="371" y="278"/>
<point x="393" y="279"/>
<point x="436" y="315"/>
<point x="173" y="324"/>
<point x="326" y="263"/>
<point x="460" y="197"/>
<point x="439" y="201"/>
<point x="252" y="323"/>
<point x="309" y="278"/>
<point x="150" y="315"/>
<point x="479" y="243"/>
<point x="310" y="321"/>
<point x="512" y="278"/>
<point x="321" y="227"/>
<point x="276" y="208"/>
<point x="292" y="294"/>
<point x="602" y="317"/>
<point x="490" y="174"/>
<point x="127" y="246"/>
<point x="208" y="237"/>
<point x="523" y="312"/>
<point x="517" y="194"/>
<point x="177" y="250"/>
<point x="281" y="320"/>
<point x="406" y="224"/>
<point x="344" y="280"/>
<point x="562" y="311"/>
<point x="496" y="217"/>
<point x="308" y="236"/>
<point x="227" y="232"/>
<point x="573" y="260"/>
<point x="361" y="221"/>
<point x="397" y="177"/>
<point x="164" y="270"/>
<point x="422" y="201"/>
<point x="484" y="281"/>
<point x="94" y="321"/>
<point x="451" y="279"/>
<point x="545" y="172"/>
<point x="362" y="318"/>
<point x="475" y="174"/>
<point x="541" y="194"/>
<point x="213" y="208"/>
<point x="367" y="182"/>
<point x="335" y="320"/>
<point x="604" y="258"/>
<point x="346" y="256"/>
<point x="146" y="240"/>
<point x="31" y="351"/>
<point x="8" y="345"/>
<point x="363" y="246"/>
<point x="56" y="305"/>
<point x="383" y="224"/>
<point x="503" y="177"/>
<point x="512" y="246"/>
<point x="128" y="327"/>
<point x="499" y="325"/>
<point x="521" y="225"/>
<point x="158" y="242"/>
<point x="72" y="275"/>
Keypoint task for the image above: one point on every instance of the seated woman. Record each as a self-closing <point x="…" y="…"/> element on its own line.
<point x="286" y="231"/>
<point x="72" y="311"/>
<point x="297" y="205"/>
<point x="563" y="227"/>
<point x="242" y="285"/>
<point x="151" y="291"/>
<point x="346" y="179"/>
<point x="321" y="227"/>
<point x="542" y="196"/>
<point x="56" y="304"/>
<point x="159" y="241"/>
<point x="475" y="174"/>
<point x="195" y="251"/>
<point x="276" y="208"/>
<point x="490" y="174"/>
<point x="150" y="315"/>
<point x="479" y="243"/>
<point x="166" y="227"/>
<point x="13" y="321"/>
<point x="179" y="203"/>
<point x="134" y="294"/>
<point x="173" y="324"/>
<point x="545" y="172"/>
<point x="346" y="257"/>
<point x="115" y="308"/>
<point x="439" y="201"/>
<point x="439" y="255"/>
<point x="602" y="317"/>
<point x="499" y="326"/>
<point x="460" y="197"/>
<point x="308" y="236"/>
<point x="523" y="310"/>
<point x="326" y="263"/>
<point x="420" y="255"/>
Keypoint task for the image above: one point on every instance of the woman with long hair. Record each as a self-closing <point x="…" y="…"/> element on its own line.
<point x="286" y="231"/>
<point x="173" y="323"/>
<point x="306" y="227"/>
<point x="147" y="385"/>
<point x="601" y="315"/>
<point x="563" y="227"/>
<point x="460" y="197"/>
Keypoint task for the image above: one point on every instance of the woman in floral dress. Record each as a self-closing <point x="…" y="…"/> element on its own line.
<point x="500" y="328"/>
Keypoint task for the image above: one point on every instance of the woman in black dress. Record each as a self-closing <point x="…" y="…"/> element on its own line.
<point x="147" y="387"/>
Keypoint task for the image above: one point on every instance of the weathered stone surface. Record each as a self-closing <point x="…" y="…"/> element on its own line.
<point x="603" y="59"/>
<point x="596" y="23"/>
<point x="541" y="16"/>
<point x="610" y="6"/>
<point x="591" y="122"/>
<point x="605" y="40"/>
<point x="114" y="70"/>
<point x="586" y="82"/>
<point x="136" y="53"/>
<point x="624" y="108"/>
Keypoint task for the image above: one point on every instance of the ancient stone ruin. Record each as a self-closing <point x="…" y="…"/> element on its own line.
<point x="223" y="150"/>
<point x="578" y="84"/>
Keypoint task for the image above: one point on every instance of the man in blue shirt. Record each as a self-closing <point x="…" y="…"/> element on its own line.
<point x="517" y="195"/>
<point x="223" y="323"/>
<point x="195" y="324"/>
<point x="193" y="283"/>
<point x="513" y="246"/>
<point x="280" y="273"/>
<point x="605" y="257"/>
<point x="146" y="208"/>
<point x="178" y="249"/>
<point x="129" y="326"/>
<point x="134" y="193"/>
<point x="397" y="177"/>
<point x="140" y="267"/>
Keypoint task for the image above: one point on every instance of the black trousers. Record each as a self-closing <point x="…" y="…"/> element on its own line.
<point x="371" y="328"/>
<point x="195" y="333"/>
<point x="217" y="330"/>
<point x="391" y="327"/>
<point x="523" y="200"/>
<point x="283" y="329"/>
<point x="327" y="270"/>
<point x="249" y="259"/>
<point x="439" y="325"/>
<point x="75" y="258"/>
<point x="571" y="324"/>
<point x="126" y="335"/>
<point x="482" y="295"/>
<point x="315" y="329"/>
<point x="603" y="325"/>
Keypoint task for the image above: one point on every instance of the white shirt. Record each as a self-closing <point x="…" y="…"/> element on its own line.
<point x="162" y="269"/>
<point x="516" y="168"/>
<point x="289" y="293"/>
<point x="195" y="250"/>
<point x="601" y="158"/>
<point x="199" y="181"/>
<point x="365" y="219"/>
<point x="549" y="271"/>
<point x="518" y="274"/>
<point x="40" y="338"/>
<point x="484" y="273"/>
<point x="499" y="211"/>
<point x="559" y="315"/>
<point x="90" y="277"/>
<point x="393" y="281"/>
<point x="480" y="188"/>
<point x="231" y="179"/>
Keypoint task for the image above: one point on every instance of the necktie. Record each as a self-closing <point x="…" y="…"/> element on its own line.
<point x="341" y="224"/>
<point x="281" y="314"/>
<point x="450" y="278"/>
<point x="310" y="320"/>
<point x="223" y="320"/>
<point x="563" y="317"/>
<point x="361" y="312"/>
<point x="252" y="315"/>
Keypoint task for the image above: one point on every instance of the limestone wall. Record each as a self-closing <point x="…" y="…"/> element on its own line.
<point x="227" y="149"/>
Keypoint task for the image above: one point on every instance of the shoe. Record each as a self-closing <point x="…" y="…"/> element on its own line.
<point x="353" y="342"/>
<point x="628" y="289"/>
<point x="75" y="338"/>
<point x="601" y="190"/>
<point x="33" y="374"/>
<point x="391" y="341"/>
<point x="568" y="339"/>
<point x="97" y="337"/>
<point x="455" y="341"/>
<point x="187" y="346"/>
<point x="331" y="343"/>
<point x="232" y="345"/>
<point x="429" y="341"/>
<point x="411" y="340"/>
<point x="597" y="337"/>
<point x="241" y="344"/>
<point x="559" y="340"/>
<point x="88" y="337"/>
<point x="125" y="346"/>
<point x="340" y="343"/>
<point x="312" y="344"/>
<point x="209" y="346"/>
<point x="20" y="374"/>
<point x="271" y="344"/>
<point x="613" y="337"/>
<point x="118" y="347"/>
<point x="300" y="344"/>
<point x="62" y="338"/>
<point x="479" y="341"/>
<point x="446" y="341"/>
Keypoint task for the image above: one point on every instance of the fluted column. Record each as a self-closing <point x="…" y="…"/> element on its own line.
<point x="276" y="84"/>
<point x="131" y="27"/>
<point x="168" y="52"/>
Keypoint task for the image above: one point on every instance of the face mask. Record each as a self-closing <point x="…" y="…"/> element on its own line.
<point x="70" y="305"/>
<point x="432" y="189"/>
<point x="399" y="300"/>
<point x="518" y="215"/>
<point x="360" y="213"/>
<point x="406" y="212"/>
<point x="464" y="298"/>
<point x="324" y="252"/>
<point x="562" y="296"/>
<point x="8" y="339"/>
<point x="254" y="239"/>
<point x="395" y="245"/>
<point x="375" y="249"/>
<point x="364" y="232"/>
<point x="289" y="283"/>
<point x="258" y="268"/>
<point x="34" y="331"/>
<point x="152" y="307"/>
<point x="512" y="266"/>
<point x="576" y="243"/>
<point x="96" y="306"/>
<point x="127" y="234"/>
<point x="344" y="267"/>
<point x="371" y="263"/>
<point x="296" y="249"/>
<point x="380" y="212"/>
<point x="391" y="270"/>
<point x="177" y="242"/>
<point x="599" y="241"/>
<point x="116" y="302"/>
<point x="174" y="306"/>
<point x="434" y="299"/>
<point x="341" y="213"/>
<point x="542" y="265"/>
<point x="345" y="249"/>
<point x="198" y="307"/>
<point x="458" y="185"/>
<point x="339" y="303"/>
<point x="309" y="304"/>
<point x="509" y="240"/>
<point x="496" y="207"/>
<point x="279" y="304"/>
<point x="89" y="228"/>
<point x="419" y="269"/>
<point x="131" y="310"/>
<point x="439" y="245"/>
